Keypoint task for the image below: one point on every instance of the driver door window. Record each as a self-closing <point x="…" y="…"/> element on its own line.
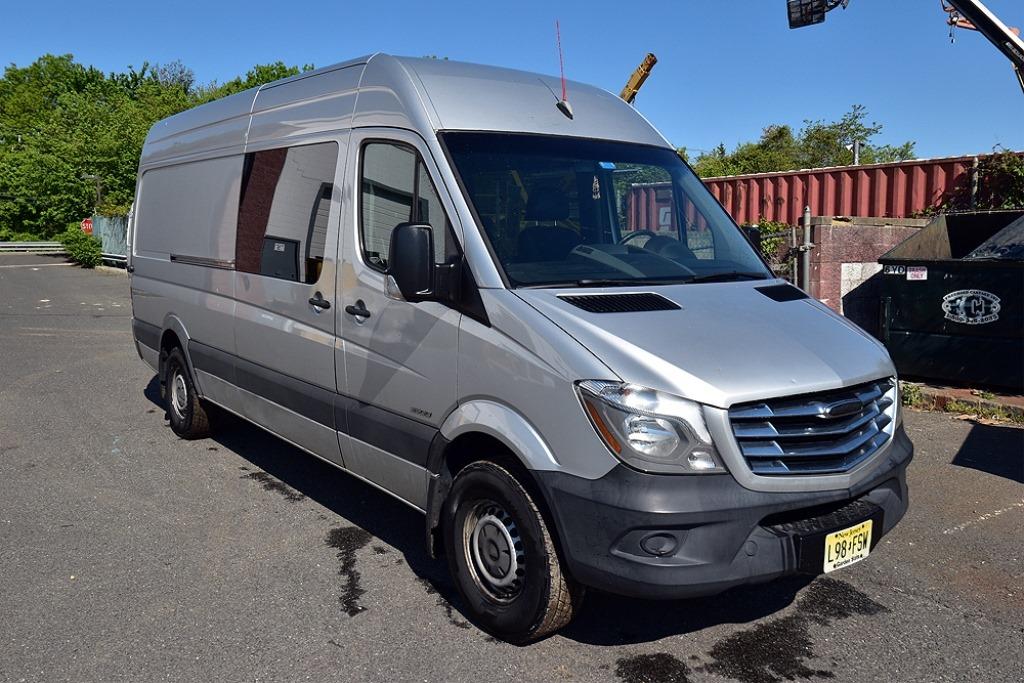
<point x="396" y="188"/>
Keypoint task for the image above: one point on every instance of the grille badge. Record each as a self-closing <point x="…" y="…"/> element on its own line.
<point x="842" y="409"/>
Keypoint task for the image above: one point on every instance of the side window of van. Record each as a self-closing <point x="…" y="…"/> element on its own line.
<point x="396" y="188"/>
<point x="284" y="210"/>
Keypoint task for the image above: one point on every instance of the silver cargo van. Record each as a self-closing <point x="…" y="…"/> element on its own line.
<point x="531" y="322"/>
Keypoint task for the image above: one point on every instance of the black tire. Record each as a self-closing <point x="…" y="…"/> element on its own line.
<point x="536" y="597"/>
<point x="186" y="413"/>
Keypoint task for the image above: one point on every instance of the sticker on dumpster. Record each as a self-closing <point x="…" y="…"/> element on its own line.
<point x="917" y="273"/>
<point x="971" y="306"/>
<point x="894" y="270"/>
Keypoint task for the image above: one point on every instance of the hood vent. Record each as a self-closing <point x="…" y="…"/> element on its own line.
<point x="621" y="303"/>
<point x="782" y="292"/>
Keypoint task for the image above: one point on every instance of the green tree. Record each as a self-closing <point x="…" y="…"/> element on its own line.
<point x="818" y="144"/>
<point x="999" y="185"/>
<point x="826" y="144"/>
<point x="61" y="121"/>
<point x="256" y="76"/>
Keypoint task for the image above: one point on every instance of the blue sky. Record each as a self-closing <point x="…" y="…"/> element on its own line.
<point x="726" y="69"/>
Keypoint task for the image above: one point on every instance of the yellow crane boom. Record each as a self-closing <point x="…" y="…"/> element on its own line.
<point x="637" y="79"/>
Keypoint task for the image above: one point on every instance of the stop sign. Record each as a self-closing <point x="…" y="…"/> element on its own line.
<point x="87" y="226"/>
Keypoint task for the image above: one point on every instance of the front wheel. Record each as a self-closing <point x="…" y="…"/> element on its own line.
<point x="502" y="557"/>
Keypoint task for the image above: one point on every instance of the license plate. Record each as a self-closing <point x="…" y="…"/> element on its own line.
<point x="846" y="546"/>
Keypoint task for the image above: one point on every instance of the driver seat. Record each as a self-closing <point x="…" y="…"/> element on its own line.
<point x="553" y="242"/>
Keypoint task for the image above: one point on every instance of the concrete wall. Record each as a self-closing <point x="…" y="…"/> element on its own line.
<point x="844" y="261"/>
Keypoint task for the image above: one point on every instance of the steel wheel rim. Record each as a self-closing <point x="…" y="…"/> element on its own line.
<point x="495" y="551"/>
<point x="179" y="394"/>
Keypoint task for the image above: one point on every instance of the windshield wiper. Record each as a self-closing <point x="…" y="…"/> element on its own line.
<point x="641" y="281"/>
<point x="627" y="282"/>
<point x="729" y="276"/>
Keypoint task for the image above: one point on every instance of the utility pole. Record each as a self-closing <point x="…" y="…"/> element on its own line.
<point x="99" y="188"/>
<point x="805" y="253"/>
<point x="855" y="148"/>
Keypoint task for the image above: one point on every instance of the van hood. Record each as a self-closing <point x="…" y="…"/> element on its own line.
<point x="727" y="343"/>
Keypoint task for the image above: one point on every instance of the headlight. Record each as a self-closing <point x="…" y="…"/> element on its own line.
<point x="650" y="430"/>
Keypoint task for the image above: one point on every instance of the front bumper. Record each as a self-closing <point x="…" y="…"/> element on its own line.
<point x="708" y="532"/>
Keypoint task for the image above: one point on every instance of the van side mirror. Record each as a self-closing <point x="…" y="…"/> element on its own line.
<point x="411" y="261"/>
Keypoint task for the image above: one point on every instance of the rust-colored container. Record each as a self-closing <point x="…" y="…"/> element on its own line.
<point x="899" y="190"/>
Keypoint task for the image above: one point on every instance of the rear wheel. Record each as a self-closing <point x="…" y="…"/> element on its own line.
<point x="186" y="413"/>
<point x="502" y="557"/>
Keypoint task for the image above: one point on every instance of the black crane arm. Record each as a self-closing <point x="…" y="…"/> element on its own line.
<point x="989" y="25"/>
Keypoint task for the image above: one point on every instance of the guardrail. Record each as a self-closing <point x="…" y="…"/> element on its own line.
<point x="31" y="248"/>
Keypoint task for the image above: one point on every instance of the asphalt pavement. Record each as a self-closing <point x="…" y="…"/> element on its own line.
<point x="127" y="554"/>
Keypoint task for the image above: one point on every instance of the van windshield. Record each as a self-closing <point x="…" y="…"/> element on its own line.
<point x="575" y="212"/>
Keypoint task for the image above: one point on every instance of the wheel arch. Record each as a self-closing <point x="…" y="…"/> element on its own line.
<point x="483" y="427"/>
<point x="175" y="335"/>
<point x="504" y="424"/>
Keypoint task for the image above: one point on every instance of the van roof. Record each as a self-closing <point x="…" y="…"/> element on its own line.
<point x="423" y="94"/>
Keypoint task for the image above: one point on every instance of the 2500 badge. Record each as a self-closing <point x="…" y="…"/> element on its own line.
<point x="971" y="306"/>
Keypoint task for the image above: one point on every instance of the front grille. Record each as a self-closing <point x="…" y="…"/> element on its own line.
<point x="825" y="433"/>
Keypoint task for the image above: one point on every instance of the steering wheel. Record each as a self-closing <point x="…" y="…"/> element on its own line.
<point x="671" y="249"/>
<point x="637" y="233"/>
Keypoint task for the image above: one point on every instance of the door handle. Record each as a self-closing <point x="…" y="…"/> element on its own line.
<point x="358" y="309"/>
<point x="319" y="301"/>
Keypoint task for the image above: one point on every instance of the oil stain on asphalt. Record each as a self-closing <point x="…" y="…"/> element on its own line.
<point x="269" y="483"/>
<point x="770" y="652"/>
<point x="654" y="668"/>
<point x="773" y="651"/>
<point x="347" y="540"/>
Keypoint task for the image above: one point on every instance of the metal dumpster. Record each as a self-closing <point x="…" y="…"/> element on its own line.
<point x="952" y="301"/>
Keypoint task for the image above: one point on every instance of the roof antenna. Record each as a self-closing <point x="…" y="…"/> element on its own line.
<point x="562" y="104"/>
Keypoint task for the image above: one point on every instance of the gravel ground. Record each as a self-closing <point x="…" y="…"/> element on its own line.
<point x="127" y="554"/>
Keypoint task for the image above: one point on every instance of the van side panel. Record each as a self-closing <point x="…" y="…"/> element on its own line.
<point x="190" y="210"/>
<point x="309" y="105"/>
<point x="217" y="126"/>
<point x="526" y="364"/>
<point x="183" y="248"/>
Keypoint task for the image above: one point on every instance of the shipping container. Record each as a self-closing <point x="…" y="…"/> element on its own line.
<point x="898" y="190"/>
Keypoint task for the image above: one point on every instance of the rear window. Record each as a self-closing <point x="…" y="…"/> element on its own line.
<point x="284" y="211"/>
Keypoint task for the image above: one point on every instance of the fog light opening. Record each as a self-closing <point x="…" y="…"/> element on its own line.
<point x="659" y="544"/>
